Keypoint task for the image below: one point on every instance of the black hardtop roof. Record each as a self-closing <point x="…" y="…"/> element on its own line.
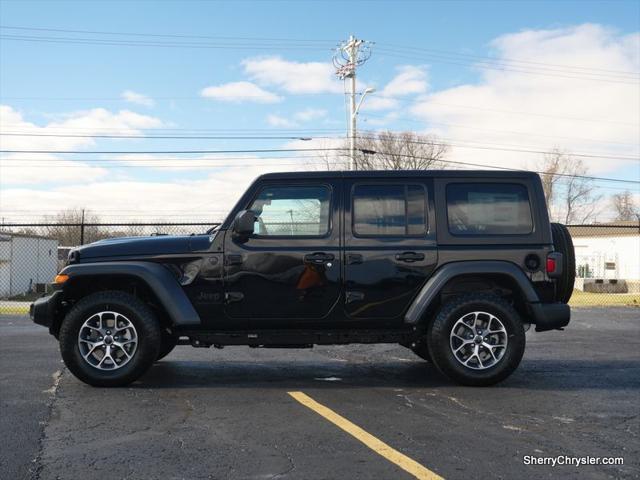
<point x="484" y="174"/>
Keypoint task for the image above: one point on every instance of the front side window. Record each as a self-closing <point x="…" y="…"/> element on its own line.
<point x="488" y="209"/>
<point x="292" y="211"/>
<point x="389" y="210"/>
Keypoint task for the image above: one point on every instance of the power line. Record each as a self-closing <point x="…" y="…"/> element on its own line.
<point x="172" y="152"/>
<point x="511" y="132"/>
<point x="366" y="135"/>
<point x="282" y="131"/>
<point x="275" y="150"/>
<point x="134" y="43"/>
<point x="499" y="64"/>
<point x="262" y="46"/>
<point x="500" y="147"/>
<point x="293" y="133"/>
<point x="389" y="53"/>
<point x="519" y="112"/>
<point x="390" y="46"/>
<point x="453" y="162"/>
<point x="511" y="60"/>
<point x="567" y="175"/>
<point x="165" y="35"/>
<point x="164" y="137"/>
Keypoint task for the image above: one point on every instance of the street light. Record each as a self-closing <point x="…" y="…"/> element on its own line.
<point x="354" y="115"/>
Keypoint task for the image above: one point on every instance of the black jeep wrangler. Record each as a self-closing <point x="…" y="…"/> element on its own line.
<point x="454" y="265"/>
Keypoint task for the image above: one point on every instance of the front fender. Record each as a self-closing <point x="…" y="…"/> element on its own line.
<point x="159" y="280"/>
<point x="439" y="279"/>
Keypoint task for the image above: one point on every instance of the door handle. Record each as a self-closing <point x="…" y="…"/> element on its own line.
<point x="353" y="296"/>
<point x="233" y="259"/>
<point x="409" y="257"/>
<point x="354" y="258"/>
<point x="318" y="257"/>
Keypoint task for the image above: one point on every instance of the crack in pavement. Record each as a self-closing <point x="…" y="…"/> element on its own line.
<point x="35" y="469"/>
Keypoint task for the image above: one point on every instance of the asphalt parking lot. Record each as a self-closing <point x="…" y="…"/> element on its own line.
<point x="204" y="414"/>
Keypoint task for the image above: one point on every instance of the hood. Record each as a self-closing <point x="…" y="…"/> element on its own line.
<point x="142" y="246"/>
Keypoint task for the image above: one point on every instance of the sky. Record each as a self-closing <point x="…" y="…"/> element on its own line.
<point x="500" y="82"/>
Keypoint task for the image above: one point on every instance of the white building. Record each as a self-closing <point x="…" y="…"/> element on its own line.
<point x="608" y="251"/>
<point x="26" y="261"/>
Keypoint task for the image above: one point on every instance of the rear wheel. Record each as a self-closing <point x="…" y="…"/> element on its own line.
<point x="109" y="339"/>
<point x="562" y="243"/>
<point x="477" y="339"/>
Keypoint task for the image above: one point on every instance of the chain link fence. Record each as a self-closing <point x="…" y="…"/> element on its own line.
<point x="607" y="257"/>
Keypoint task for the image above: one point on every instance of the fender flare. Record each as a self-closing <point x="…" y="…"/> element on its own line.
<point x="439" y="279"/>
<point x="166" y="288"/>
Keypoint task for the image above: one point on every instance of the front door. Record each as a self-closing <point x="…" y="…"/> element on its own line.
<point x="289" y="270"/>
<point x="390" y="246"/>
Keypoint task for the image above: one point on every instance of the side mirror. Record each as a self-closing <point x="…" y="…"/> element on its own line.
<point x="243" y="224"/>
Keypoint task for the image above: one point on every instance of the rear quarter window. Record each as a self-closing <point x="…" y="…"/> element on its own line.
<point x="488" y="209"/>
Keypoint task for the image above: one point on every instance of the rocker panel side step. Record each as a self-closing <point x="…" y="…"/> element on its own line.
<point x="295" y="338"/>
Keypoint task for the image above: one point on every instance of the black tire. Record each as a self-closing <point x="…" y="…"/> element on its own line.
<point x="138" y="313"/>
<point x="421" y="349"/>
<point x="438" y="339"/>
<point x="169" y="342"/>
<point x="562" y="243"/>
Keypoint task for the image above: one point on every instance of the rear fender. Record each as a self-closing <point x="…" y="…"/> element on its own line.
<point x="432" y="289"/>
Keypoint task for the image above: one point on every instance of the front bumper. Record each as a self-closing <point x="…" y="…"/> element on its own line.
<point x="43" y="310"/>
<point x="550" y="316"/>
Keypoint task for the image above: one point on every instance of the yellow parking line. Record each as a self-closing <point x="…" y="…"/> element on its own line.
<point x="378" y="446"/>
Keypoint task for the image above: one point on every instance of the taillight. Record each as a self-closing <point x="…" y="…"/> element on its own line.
<point x="554" y="264"/>
<point x="551" y="265"/>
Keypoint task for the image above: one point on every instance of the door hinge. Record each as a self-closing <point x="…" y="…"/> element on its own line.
<point x="353" y="296"/>
<point x="230" y="297"/>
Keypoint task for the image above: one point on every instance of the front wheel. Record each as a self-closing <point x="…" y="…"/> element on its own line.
<point x="477" y="339"/>
<point x="109" y="339"/>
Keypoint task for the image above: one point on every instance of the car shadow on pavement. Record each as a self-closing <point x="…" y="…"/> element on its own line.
<point x="278" y="374"/>
<point x="532" y="374"/>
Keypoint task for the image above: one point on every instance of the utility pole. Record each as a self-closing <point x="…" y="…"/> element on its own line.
<point x="350" y="55"/>
<point x="82" y="228"/>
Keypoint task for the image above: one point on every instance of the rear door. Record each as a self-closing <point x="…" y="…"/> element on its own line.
<point x="390" y="246"/>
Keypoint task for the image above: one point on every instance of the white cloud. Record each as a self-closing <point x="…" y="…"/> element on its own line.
<point x="240" y="92"/>
<point x="410" y="80"/>
<point x="138" y="98"/>
<point x="85" y="122"/>
<point x="293" y="77"/>
<point x="565" y="106"/>
<point x="280" y="122"/>
<point x="45" y="169"/>
<point x="374" y="102"/>
<point x="23" y="168"/>
<point x="211" y="197"/>
<point x="304" y="116"/>
<point x="310" y="114"/>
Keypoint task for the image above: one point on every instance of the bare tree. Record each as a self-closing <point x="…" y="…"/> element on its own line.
<point x="625" y="206"/>
<point x="552" y="166"/>
<point x="400" y="151"/>
<point x="392" y="151"/>
<point x="571" y="195"/>
<point x="65" y="227"/>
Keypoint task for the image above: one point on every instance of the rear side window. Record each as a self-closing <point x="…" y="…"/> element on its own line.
<point x="488" y="209"/>
<point x="389" y="210"/>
